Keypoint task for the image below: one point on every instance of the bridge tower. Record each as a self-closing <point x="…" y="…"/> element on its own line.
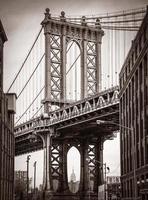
<point x="58" y="34"/>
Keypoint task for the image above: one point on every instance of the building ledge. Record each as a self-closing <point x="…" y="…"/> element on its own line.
<point x="11" y="102"/>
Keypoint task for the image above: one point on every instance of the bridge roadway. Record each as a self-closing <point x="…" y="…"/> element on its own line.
<point x="75" y="120"/>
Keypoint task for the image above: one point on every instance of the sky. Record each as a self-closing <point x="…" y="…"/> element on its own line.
<point x="21" y="20"/>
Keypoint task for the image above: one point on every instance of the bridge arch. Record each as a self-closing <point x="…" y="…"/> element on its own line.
<point x="73" y="71"/>
<point x="75" y="111"/>
<point x="100" y="102"/>
<point x="73" y="168"/>
<point x="87" y="106"/>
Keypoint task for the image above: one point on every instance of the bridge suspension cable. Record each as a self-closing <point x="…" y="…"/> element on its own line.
<point x="108" y="15"/>
<point x="73" y="64"/>
<point x="37" y="111"/>
<point x="25" y="60"/>
<point x="28" y="83"/>
<point x="120" y="29"/>
<point x="30" y="106"/>
<point x="110" y="20"/>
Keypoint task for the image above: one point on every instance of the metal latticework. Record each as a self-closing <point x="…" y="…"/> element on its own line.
<point x="55" y="165"/>
<point x="91" y="68"/>
<point x="55" y="67"/>
<point x="91" y="165"/>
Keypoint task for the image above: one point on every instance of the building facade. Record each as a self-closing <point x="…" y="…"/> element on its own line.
<point x="113" y="188"/>
<point x="134" y="118"/>
<point x="20" y="183"/>
<point x="7" y="110"/>
<point x="20" y="175"/>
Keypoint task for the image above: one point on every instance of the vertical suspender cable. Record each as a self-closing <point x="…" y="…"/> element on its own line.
<point x="124" y="19"/>
<point x="112" y="53"/>
<point x="108" y="76"/>
<point x="118" y="47"/>
<point x="36" y="56"/>
<point x="116" y="56"/>
<point x="75" y="73"/>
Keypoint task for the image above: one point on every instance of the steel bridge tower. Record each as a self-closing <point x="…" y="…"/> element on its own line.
<point x="58" y="33"/>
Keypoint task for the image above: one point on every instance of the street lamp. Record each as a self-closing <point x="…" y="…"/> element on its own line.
<point x="133" y="146"/>
<point x="34" y="165"/>
<point x="105" y="172"/>
<point x="111" y="122"/>
<point x="28" y="158"/>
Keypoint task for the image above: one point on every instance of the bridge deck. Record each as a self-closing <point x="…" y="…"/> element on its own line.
<point x="77" y="119"/>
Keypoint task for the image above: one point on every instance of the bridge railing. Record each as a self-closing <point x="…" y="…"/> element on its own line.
<point x="82" y="107"/>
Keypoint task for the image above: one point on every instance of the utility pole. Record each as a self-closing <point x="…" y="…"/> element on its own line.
<point x="105" y="181"/>
<point x="34" y="165"/>
<point x="28" y="158"/>
<point x="105" y="172"/>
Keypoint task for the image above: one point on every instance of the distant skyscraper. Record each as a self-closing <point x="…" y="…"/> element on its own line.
<point x="73" y="184"/>
<point x="7" y="110"/>
<point x="134" y="118"/>
<point x="73" y="176"/>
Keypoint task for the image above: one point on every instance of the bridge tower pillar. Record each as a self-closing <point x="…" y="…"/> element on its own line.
<point x="55" y="168"/>
<point x="47" y="179"/>
<point x="91" y="168"/>
<point x="98" y="179"/>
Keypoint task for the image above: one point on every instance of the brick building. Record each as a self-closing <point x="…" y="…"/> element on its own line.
<point x="113" y="187"/>
<point x="7" y="109"/>
<point x="134" y="116"/>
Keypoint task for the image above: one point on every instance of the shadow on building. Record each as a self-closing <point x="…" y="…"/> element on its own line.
<point x="7" y="110"/>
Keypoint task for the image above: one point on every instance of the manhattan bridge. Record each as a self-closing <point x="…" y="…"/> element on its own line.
<point x="68" y="81"/>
